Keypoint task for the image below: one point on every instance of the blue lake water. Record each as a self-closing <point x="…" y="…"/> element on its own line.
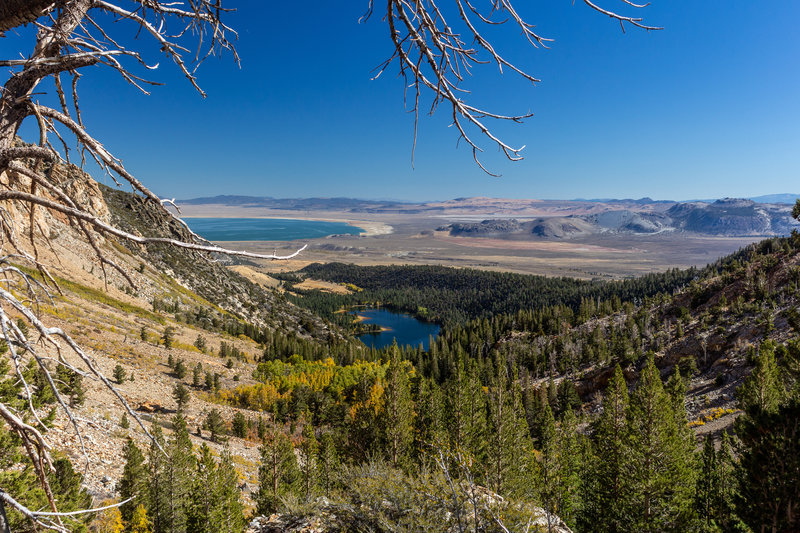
<point x="267" y="229"/>
<point x="405" y="328"/>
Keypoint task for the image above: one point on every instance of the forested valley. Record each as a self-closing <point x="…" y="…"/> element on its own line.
<point x="588" y="413"/>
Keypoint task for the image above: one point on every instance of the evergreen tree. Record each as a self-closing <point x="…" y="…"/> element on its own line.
<point x="660" y="485"/>
<point x="308" y="449"/>
<point x="133" y="484"/>
<point x="239" y="425"/>
<point x="769" y="450"/>
<point x="277" y="473"/>
<point x="398" y="409"/>
<point x="119" y="373"/>
<point x="428" y="424"/>
<point x="203" y="495"/>
<point x="178" y="475"/>
<point x="610" y="471"/>
<point x="707" y="490"/>
<point x="181" y="395"/>
<point x="197" y="375"/>
<point x="569" y="464"/>
<point x="762" y="391"/>
<point x="549" y="466"/>
<point x="229" y="513"/>
<point x="158" y="494"/>
<point x="215" y="424"/>
<point x="328" y="463"/>
<point x="168" y="338"/>
<point x="508" y="435"/>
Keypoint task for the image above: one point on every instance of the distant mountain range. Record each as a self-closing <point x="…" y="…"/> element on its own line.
<point x="558" y="219"/>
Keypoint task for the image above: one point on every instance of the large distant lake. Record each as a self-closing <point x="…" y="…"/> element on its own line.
<point x="267" y="229"/>
<point x="405" y="328"/>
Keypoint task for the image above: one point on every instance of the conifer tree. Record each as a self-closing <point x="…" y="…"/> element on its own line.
<point x="508" y="439"/>
<point x="158" y="494"/>
<point x="179" y="470"/>
<point x="133" y="484"/>
<point x="181" y="395"/>
<point x="610" y="472"/>
<point x="278" y="472"/>
<point x="549" y="466"/>
<point x="707" y="490"/>
<point x="203" y="494"/>
<point x="569" y="463"/>
<point x="229" y="514"/>
<point x="660" y="484"/>
<point x="308" y="458"/>
<point x="398" y="409"/>
<point x="428" y="424"/>
<point x="762" y="391"/>
<point x="215" y="424"/>
<point x="769" y="450"/>
<point x="239" y="425"/>
<point x="328" y="463"/>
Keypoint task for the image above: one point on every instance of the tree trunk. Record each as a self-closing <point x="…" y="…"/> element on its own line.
<point x="14" y="13"/>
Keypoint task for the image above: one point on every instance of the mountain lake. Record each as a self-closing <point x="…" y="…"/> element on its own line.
<point x="401" y="326"/>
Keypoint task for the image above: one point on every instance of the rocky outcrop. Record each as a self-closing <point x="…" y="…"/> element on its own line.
<point x="487" y="227"/>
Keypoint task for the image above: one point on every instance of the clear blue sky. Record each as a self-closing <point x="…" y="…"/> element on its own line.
<point x="706" y="108"/>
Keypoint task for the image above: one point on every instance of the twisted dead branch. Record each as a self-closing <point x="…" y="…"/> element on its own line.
<point x="435" y="57"/>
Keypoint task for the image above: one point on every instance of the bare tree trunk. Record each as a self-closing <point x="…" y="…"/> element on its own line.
<point x="4" y="527"/>
<point x="15" y="13"/>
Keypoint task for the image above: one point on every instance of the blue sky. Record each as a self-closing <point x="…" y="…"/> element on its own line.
<point x="706" y="108"/>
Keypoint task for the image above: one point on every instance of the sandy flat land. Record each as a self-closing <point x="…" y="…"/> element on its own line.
<point x="414" y="240"/>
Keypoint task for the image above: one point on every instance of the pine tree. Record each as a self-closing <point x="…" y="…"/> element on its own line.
<point x="178" y="475"/>
<point x="659" y="482"/>
<point x="549" y="466"/>
<point x="398" y="410"/>
<point x="328" y="463"/>
<point x="197" y="375"/>
<point x="308" y="458"/>
<point x="508" y="435"/>
<point x="569" y="463"/>
<point x="707" y="489"/>
<point x="239" y="425"/>
<point x="119" y="373"/>
<point x="728" y="485"/>
<point x="428" y="424"/>
<point x="215" y="424"/>
<point x="610" y="472"/>
<point x="228" y="516"/>
<point x="202" y="495"/>
<point x="762" y="391"/>
<point x="158" y="494"/>
<point x="278" y="472"/>
<point x="181" y="395"/>
<point x="769" y="457"/>
<point x="133" y="484"/>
